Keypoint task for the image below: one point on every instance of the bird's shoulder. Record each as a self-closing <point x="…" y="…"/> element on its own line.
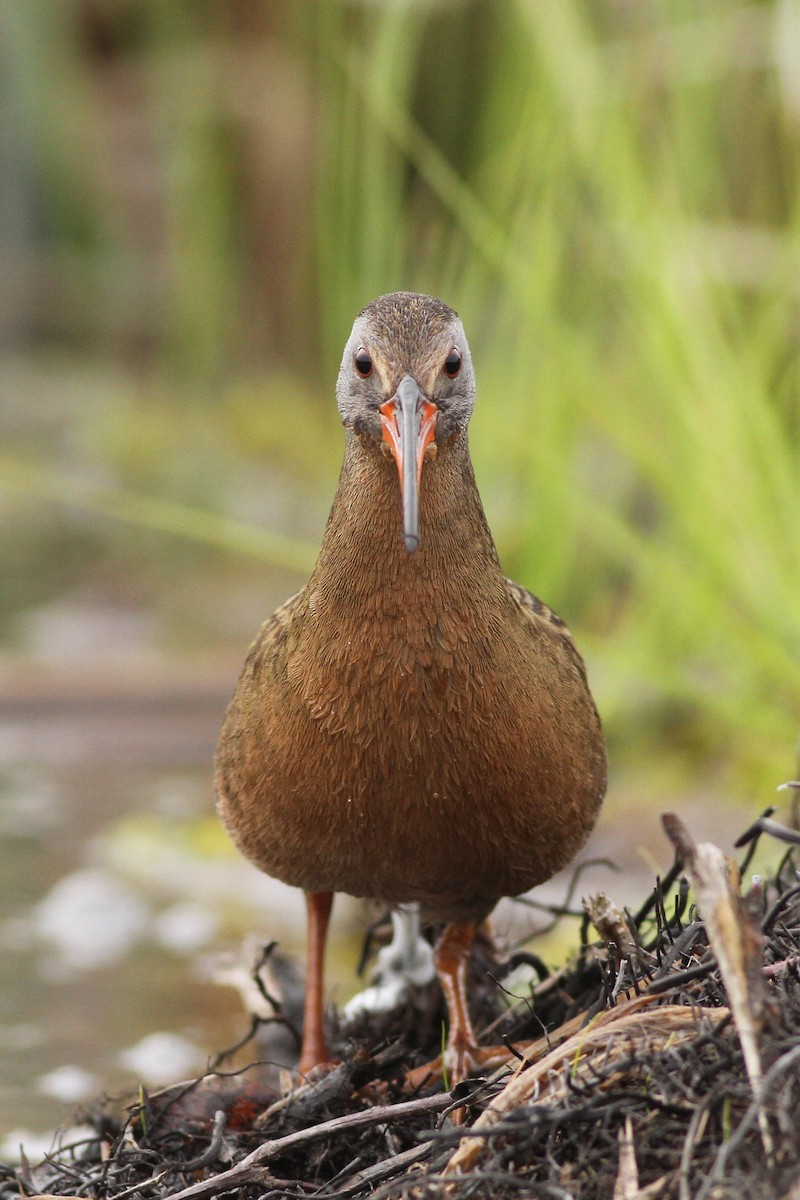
<point x="272" y="637"/>
<point x="531" y="605"/>
<point x="543" y="618"/>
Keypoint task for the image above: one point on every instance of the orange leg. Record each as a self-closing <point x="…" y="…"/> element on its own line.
<point x="315" y="1048"/>
<point x="462" y="1056"/>
<point x="452" y="957"/>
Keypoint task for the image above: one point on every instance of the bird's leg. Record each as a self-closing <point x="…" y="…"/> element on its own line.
<point x="452" y="957"/>
<point x="462" y="1056"/>
<point x="315" y="1049"/>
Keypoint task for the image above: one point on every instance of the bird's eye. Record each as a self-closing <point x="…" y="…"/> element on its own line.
<point x="363" y="363"/>
<point x="452" y="364"/>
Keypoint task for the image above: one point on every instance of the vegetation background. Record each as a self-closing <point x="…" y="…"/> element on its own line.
<point x="199" y="196"/>
<point x="196" y="198"/>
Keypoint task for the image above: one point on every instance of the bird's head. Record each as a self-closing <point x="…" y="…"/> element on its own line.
<point x="406" y="383"/>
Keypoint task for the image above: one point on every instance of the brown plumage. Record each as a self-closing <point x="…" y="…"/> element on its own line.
<point x="411" y="726"/>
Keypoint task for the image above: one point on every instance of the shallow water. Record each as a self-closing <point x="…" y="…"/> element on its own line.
<point x="116" y="890"/>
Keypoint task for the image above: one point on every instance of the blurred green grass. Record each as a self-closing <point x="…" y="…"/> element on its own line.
<point x="206" y="194"/>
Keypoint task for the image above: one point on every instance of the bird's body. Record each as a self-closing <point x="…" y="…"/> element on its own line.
<point x="404" y="729"/>
<point x="411" y="726"/>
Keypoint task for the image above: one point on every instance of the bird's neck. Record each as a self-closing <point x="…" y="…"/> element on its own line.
<point x="363" y="561"/>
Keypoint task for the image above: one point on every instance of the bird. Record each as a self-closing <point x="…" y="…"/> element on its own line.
<point x="411" y="727"/>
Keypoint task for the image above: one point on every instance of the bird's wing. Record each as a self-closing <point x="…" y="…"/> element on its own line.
<point x="541" y="615"/>
<point x="271" y="638"/>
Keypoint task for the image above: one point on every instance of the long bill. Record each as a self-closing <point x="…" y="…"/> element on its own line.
<point x="409" y="425"/>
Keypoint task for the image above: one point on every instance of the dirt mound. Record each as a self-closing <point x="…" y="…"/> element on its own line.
<point x="663" y="1061"/>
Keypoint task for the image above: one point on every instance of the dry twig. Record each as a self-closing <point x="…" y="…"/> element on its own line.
<point x="735" y="942"/>
<point x="613" y="1033"/>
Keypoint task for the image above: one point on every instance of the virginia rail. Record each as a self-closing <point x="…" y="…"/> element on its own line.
<point x="411" y="726"/>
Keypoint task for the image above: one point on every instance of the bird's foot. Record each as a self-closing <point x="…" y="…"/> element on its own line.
<point x="459" y="1063"/>
<point x="461" y="1060"/>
